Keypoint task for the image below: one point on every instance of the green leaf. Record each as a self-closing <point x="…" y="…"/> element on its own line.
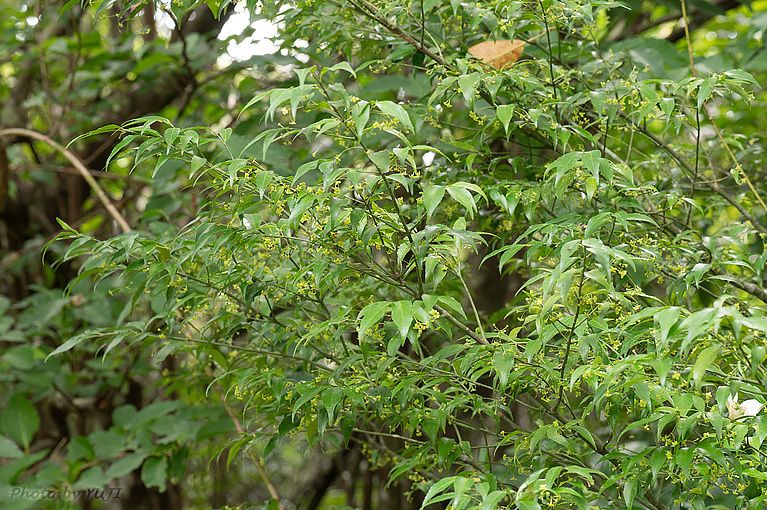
<point x="684" y="458"/>
<point x="741" y="75"/>
<point x="298" y="210"/>
<point x="704" y="361"/>
<point x="396" y="111"/>
<point x="428" y="5"/>
<point x="662" y="367"/>
<point x="705" y="90"/>
<point x="9" y="449"/>
<point x="331" y="398"/>
<point x="464" y="197"/>
<point x="121" y="145"/>
<point x="402" y="315"/>
<point x="505" y="112"/>
<point x="103" y="129"/>
<point x="263" y="179"/>
<point x="305" y="397"/>
<point x="758" y="352"/>
<point x="666" y="319"/>
<point x="302" y="73"/>
<point x="67" y="7"/>
<point x="453" y="304"/>
<point x="125" y="465"/>
<point x="345" y="66"/>
<point x="503" y="362"/>
<point x="360" y="114"/>
<point x="90" y="478"/>
<point x="630" y="490"/>
<point x="80" y="448"/>
<point x="591" y="162"/>
<point x="667" y="105"/>
<point x="401" y="53"/>
<point x="311" y="165"/>
<point x="154" y="472"/>
<point x="437" y="489"/>
<point x="196" y="164"/>
<point x="657" y="461"/>
<point x="528" y="504"/>
<point x="257" y="98"/>
<point x="444" y="85"/>
<point x="381" y="159"/>
<point x="20" y="420"/>
<point x="151" y="60"/>
<point x="234" y="167"/>
<point x="490" y="502"/>
<point x="461" y="484"/>
<point x="468" y="84"/>
<point x="432" y="196"/>
<point x="371" y="315"/>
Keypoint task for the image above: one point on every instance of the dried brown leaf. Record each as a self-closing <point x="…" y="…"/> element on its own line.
<point x="498" y="54"/>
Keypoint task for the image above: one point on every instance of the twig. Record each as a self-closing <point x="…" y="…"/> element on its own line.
<point x="690" y="171"/>
<point x="708" y="113"/>
<point x="571" y="334"/>
<point x="463" y="327"/>
<point x="737" y="205"/>
<point x="84" y="172"/>
<point x="468" y="296"/>
<point x="369" y="10"/>
<point x="256" y="460"/>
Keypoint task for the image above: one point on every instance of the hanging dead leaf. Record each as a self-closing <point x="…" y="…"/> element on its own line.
<point x="498" y="54"/>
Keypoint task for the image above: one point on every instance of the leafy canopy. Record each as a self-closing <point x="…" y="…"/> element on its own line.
<point x="531" y="284"/>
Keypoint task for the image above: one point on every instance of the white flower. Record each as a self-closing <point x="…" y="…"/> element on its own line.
<point x="737" y="409"/>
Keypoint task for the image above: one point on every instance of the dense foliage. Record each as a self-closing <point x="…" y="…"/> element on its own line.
<point x="539" y="286"/>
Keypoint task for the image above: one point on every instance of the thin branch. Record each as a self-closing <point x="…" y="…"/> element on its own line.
<point x="84" y="172"/>
<point x="711" y="118"/>
<point x="690" y="171"/>
<point x="471" y="300"/>
<point x="463" y="327"/>
<point x="256" y="461"/>
<point x="737" y="205"/>
<point x="370" y="11"/>
<point x="571" y="334"/>
<point x="408" y="231"/>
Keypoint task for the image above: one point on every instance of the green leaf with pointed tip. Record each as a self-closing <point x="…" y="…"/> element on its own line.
<point x="705" y="359"/>
<point x="504" y="113"/>
<point x="396" y="111"/>
<point x="125" y="465"/>
<point x="432" y="196"/>
<point x="503" y="363"/>
<point x="468" y="84"/>
<point x="630" y="491"/>
<point x="8" y="449"/>
<point x="437" y="489"/>
<point x="402" y="315"/>
<point x="464" y="197"/>
<point x="491" y="500"/>
<point x="380" y="159"/>
<point x="741" y="75"/>
<point x="371" y="315"/>
<point x="666" y="319"/>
